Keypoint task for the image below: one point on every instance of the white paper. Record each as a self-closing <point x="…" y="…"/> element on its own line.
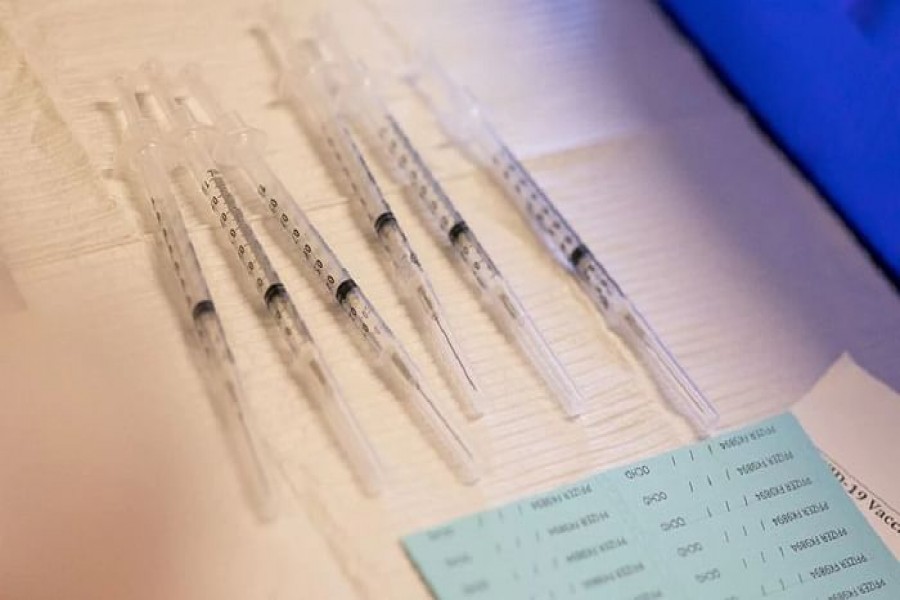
<point x="852" y="417"/>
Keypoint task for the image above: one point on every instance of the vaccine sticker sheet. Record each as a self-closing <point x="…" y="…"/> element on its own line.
<point x="751" y="514"/>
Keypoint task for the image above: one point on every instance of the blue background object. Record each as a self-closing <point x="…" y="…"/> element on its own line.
<point x="822" y="77"/>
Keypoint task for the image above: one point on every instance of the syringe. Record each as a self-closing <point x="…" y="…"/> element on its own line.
<point x="463" y="120"/>
<point x="305" y="82"/>
<point x="320" y="262"/>
<point x="302" y="355"/>
<point x="435" y="206"/>
<point x="143" y="150"/>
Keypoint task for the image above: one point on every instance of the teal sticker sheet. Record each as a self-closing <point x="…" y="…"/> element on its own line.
<point x="751" y="514"/>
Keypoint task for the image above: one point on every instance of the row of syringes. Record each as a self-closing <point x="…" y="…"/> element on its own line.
<point x="197" y="147"/>
<point x="315" y="88"/>
<point x="463" y="120"/>
<point x="354" y="97"/>
<point x="335" y="96"/>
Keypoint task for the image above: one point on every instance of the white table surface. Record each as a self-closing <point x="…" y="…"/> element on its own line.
<point x="114" y="476"/>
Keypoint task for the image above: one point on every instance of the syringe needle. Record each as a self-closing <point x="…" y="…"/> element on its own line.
<point x="435" y="207"/>
<point x="462" y="119"/>
<point x="309" y="88"/>
<point x="144" y="150"/>
<point x="321" y="263"/>
<point x="302" y="355"/>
